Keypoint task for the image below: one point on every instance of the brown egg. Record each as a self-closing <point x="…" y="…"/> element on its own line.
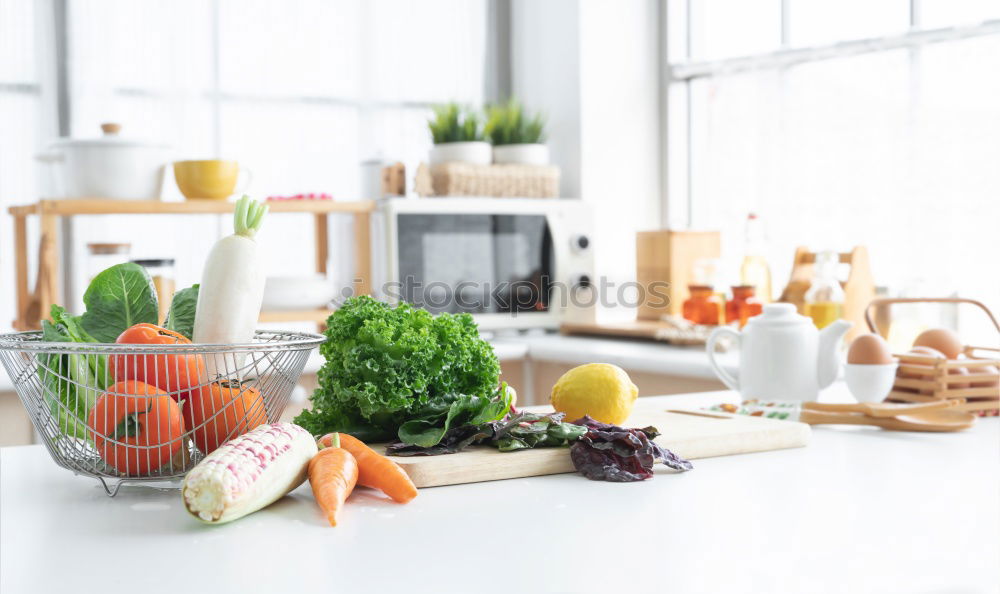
<point x="940" y="339"/>
<point x="869" y="349"/>
<point x="924" y="351"/>
<point x="958" y="385"/>
<point x="988" y="383"/>
<point x="920" y="351"/>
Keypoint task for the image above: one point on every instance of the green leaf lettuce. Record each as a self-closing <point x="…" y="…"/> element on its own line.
<point x="389" y="365"/>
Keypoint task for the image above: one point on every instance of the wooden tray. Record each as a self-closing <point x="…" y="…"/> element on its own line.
<point x="660" y="331"/>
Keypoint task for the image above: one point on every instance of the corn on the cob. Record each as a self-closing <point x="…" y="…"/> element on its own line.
<point x="249" y="472"/>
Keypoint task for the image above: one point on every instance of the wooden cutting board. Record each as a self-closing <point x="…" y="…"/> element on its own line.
<point x="689" y="433"/>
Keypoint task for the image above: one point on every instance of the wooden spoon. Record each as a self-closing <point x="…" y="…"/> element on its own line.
<point x="881" y="409"/>
<point x="940" y="419"/>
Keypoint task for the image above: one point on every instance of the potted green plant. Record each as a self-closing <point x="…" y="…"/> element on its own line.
<point x="516" y="136"/>
<point x="458" y="136"/>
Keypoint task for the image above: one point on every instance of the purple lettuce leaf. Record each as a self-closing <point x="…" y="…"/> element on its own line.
<point x="617" y="454"/>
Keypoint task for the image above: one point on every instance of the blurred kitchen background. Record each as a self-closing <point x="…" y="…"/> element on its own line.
<point x="837" y="125"/>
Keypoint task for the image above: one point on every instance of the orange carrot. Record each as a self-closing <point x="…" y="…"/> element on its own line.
<point x="375" y="470"/>
<point x="333" y="472"/>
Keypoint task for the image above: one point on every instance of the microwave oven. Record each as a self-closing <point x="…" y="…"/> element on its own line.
<point x="511" y="263"/>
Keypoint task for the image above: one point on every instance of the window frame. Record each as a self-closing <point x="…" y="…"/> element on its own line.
<point x="677" y="170"/>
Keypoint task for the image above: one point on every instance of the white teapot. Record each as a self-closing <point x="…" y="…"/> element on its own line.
<point x="782" y="355"/>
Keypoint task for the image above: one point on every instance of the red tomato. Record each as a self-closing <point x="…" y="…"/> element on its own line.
<point x="221" y="411"/>
<point x="171" y="373"/>
<point x="136" y="427"/>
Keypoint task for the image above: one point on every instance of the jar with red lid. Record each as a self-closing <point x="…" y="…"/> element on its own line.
<point x="704" y="306"/>
<point x="743" y="306"/>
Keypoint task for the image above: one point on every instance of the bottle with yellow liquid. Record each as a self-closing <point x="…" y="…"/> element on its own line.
<point x="824" y="301"/>
<point x="754" y="271"/>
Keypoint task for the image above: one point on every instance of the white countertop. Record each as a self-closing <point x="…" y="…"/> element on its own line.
<point x="859" y="510"/>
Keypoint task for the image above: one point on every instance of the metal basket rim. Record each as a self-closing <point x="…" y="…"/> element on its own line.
<point x="27" y="341"/>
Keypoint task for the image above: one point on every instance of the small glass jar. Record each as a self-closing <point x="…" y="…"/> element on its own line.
<point x="744" y="305"/>
<point x="101" y="256"/>
<point x="161" y="270"/>
<point x="824" y="301"/>
<point x="704" y="306"/>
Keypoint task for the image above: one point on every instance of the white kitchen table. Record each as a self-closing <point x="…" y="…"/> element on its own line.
<point x="859" y="510"/>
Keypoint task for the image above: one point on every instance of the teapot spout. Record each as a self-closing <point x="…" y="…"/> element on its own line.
<point x="829" y="362"/>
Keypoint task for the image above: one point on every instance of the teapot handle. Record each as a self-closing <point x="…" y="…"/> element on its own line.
<point x="730" y="381"/>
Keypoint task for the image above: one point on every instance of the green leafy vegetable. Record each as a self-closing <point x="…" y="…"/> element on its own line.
<point x="530" y="430"/>
<point x="71" y="382"/>
<point x="431" y="426"/>
<point x="180" y="318"/>
<point x="515" y="432"/>
<point x="389" y="365"/>
<point x="118" y="298"/>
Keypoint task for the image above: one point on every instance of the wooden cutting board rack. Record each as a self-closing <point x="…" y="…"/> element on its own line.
<point x="859" y="288"/>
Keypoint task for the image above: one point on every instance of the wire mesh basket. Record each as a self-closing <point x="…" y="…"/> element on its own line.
<point x="146" y="414"/>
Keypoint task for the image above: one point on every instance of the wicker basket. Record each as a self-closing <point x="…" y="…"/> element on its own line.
<point x="504" y="181"/>
<point x="929" y="379"/>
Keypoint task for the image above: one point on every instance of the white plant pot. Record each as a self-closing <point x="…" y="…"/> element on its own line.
<point x="477" y="153"/>
<point x="521" y="154"/>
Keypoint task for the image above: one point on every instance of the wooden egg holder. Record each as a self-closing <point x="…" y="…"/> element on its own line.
<point x="936" y="382"/>
<point x="933" y="381"/>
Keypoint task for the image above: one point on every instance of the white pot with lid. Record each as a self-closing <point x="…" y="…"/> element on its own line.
<point x="107" y="167"/>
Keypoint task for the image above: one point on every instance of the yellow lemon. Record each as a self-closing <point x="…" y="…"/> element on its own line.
<point x="601" y="390"/>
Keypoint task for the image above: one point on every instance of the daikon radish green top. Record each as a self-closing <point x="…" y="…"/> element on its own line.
<point x="248" y="216"/>
<point x="232" y="288"/>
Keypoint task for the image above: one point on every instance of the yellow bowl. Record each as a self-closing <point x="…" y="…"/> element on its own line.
<point x="206" y="180"/>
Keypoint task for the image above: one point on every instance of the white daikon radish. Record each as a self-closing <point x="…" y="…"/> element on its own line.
<point x="232" y="290"/>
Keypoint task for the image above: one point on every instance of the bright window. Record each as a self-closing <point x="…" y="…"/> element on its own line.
<point x="300" y="93"/>
<point x="23" y="97"/>
<point x="889" y="143"/>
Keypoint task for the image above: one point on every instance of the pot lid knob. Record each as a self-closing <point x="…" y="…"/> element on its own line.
<point x="111" y="129"/>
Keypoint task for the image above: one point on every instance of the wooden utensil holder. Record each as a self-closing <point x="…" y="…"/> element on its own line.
<point x="859" y="288"/>
<point x="929" y="379"/>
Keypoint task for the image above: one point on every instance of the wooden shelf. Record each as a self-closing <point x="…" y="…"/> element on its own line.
<point x="33" y="303"/>
<point x="318" y="316"/>
<point x="97" y="206"/>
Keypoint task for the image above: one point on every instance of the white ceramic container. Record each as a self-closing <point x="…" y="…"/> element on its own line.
<point x="107" y="167"/>
<point x="476" y="153"/>
<point x="521" y="154"/>
<point x="870" y="383"/>
<point x="782" y="355"/>
<point x="294" y="293"/>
